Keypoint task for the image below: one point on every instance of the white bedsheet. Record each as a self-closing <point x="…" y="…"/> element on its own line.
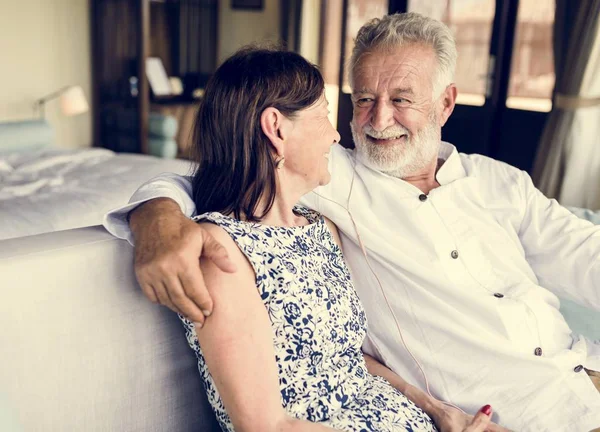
<point x="53" y="190"/>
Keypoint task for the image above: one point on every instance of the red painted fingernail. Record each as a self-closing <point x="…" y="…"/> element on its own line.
<point x="487" y="410"/>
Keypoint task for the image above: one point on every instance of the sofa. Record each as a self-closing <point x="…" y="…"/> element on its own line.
<point x="81" y="347"/>
<point x="83" y="350"/>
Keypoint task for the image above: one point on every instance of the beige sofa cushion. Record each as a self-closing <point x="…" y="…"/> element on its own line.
<point x="82" y="349"/>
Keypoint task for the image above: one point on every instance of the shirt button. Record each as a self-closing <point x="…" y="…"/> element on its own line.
<point x="423" y="197"/>
<point x="578" y="368"/>
<point x="538" y="351"/>
<point x="454" y="254"/>
<point x="499" y="295"/>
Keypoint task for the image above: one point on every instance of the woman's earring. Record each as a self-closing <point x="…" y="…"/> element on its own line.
<point x="280" y="162"/>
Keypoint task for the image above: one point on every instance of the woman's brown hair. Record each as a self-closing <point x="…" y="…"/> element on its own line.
<point x="236" y="161"/>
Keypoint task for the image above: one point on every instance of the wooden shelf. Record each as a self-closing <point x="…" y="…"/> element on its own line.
<point x="126" y="32"/>
<point x="174" y="101"/>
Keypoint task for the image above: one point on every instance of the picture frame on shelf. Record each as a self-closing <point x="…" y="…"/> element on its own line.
<point x="158" y="78"/>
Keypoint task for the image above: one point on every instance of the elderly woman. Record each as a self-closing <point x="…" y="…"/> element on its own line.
<point x="282" y="349"/>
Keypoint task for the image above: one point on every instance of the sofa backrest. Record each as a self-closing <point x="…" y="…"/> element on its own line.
<point x="82" y="349"/>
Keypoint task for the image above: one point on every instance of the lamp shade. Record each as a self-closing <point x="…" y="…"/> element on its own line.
<point x="73" y="101"/>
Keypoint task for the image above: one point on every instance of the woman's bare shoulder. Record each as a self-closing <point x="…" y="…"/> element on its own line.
<point x="221" y="236"/>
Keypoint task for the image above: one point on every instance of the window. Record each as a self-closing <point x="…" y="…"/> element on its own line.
<point x="359" y="13"/>
<point x="471" y="23"/>
<point x="532" y="67"/>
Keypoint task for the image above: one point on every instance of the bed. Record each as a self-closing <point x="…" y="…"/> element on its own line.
<point x="45" y="188"/>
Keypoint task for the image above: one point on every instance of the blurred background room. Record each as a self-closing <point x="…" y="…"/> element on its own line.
<point x="126" y="76"/>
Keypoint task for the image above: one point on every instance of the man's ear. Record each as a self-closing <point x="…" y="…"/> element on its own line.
<point x="448" y="100"/>
<point x="272" y="124"/>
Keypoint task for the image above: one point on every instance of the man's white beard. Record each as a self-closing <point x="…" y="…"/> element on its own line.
<point x="398" y="160"/>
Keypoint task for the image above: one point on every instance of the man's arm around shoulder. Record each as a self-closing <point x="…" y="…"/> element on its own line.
<point x="168" y="245"/>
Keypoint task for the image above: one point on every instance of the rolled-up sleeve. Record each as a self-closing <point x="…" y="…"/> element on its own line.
<point x="167" y="185"/>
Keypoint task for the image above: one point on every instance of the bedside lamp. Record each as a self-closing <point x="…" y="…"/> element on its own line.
<point x="72" y="101"/>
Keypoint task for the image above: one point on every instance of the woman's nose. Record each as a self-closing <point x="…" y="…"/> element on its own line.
<point x="337" y="138"/>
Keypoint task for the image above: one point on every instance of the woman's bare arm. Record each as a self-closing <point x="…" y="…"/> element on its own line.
<point x="419" y="397"/>
<point x="446" y="418"/>
<point x="237" y="343"/>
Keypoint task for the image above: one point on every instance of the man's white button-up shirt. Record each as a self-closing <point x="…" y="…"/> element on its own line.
<point x="471" y="273"/>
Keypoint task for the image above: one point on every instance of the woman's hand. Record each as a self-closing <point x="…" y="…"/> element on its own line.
<point x="450" y="419"/>
<point x="445" y="417"/>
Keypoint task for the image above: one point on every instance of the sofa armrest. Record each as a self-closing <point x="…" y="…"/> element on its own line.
<point x="83" y="349"/>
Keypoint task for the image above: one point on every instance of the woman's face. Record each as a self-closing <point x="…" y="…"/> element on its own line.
<point x="307" y="147"/>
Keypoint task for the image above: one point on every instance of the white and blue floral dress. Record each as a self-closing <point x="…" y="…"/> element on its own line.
<point x="318" y="325"/>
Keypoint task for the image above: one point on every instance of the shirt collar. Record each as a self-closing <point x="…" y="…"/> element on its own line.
<point x="452" y="169"/>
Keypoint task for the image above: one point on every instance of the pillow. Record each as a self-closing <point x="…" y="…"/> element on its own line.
<point x="582" y="320"/>
<point x="25" y="135"/>
<point x="591" y="215"/>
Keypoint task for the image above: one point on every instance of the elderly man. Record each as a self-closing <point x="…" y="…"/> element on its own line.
<point x="457" y="258"/>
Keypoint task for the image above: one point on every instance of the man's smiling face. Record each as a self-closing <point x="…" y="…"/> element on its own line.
<point x="395" y="125"/>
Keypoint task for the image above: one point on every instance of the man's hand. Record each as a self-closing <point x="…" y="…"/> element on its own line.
<point x="168" y="247"/>
<point x="449" y="419"/>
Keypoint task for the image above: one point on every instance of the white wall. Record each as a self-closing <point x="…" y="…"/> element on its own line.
<point x="45" y="45"/>
<point x="239" y="27"/>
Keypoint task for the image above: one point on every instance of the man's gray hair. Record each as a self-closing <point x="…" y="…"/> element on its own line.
<point x="393" y="31"/>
